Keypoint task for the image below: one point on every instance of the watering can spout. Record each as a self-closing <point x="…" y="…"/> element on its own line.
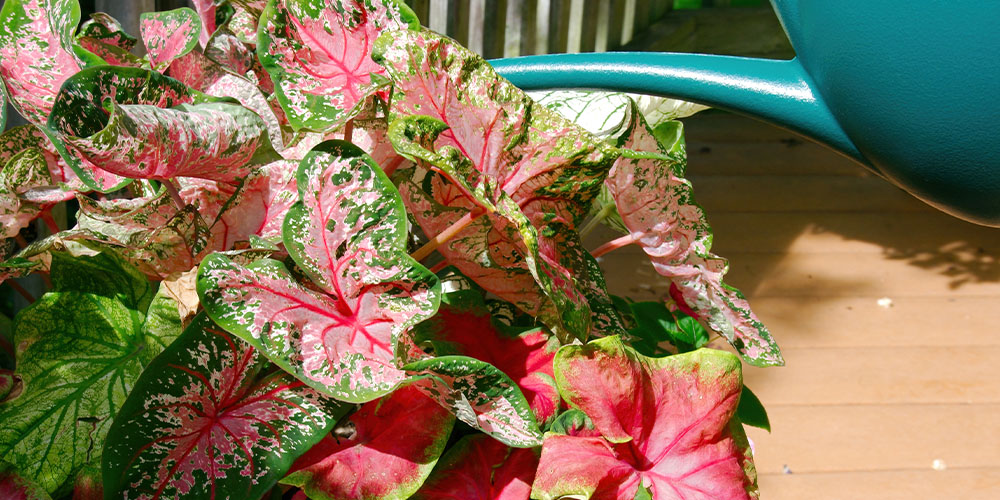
<point x="777" y="92"/>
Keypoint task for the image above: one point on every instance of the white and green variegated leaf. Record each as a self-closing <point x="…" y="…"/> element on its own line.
<point x="25" y="191"/>
<point x="80" y="348"/>
<point x="347" y="234"/>
<point x="480" y="395"/>
<point x="318" y="54"/>
<point x="205" y="419"/>
<point x="657" y="206"/>
<point x="36" y="52"/>
<point x="168" y="35"/>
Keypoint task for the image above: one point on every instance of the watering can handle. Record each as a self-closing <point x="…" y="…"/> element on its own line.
<point x="777" y="92"/>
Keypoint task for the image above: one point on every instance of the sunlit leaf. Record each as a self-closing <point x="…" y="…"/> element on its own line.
<point x="658" y="207"/>
<point x="318" y="54"/>
<point x="666" y="423"/>
<point x="205" y="420"/>
<point x="104" y="36"/>
<point x="168" y="35"/>
<point x="385" y="451"/>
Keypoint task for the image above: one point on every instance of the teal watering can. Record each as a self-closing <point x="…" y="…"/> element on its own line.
<point x="909" y="89"/>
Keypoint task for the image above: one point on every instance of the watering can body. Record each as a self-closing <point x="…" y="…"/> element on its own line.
<point x="909" y="89"/>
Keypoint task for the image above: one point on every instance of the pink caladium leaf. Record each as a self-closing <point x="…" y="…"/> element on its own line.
<point x="36" y="53"/>
<point x="79" y="110"/>
<point x="656" y="204"/>
<point x="665" y="423"/>
<point x="348" y="235"/>
<point x="104" y="36"/>
<point x="463" y="326"/>
<point x="258" y="208"/>
<point x="203" y="420"/>
<point x="318" y="54"/>
<point x="480" y="468"/>
<point x="169" y="34"/>
<point x="532" y="171"/>
<point x="385" y="451"/>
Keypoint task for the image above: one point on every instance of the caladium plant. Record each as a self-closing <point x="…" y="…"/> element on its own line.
<point x="306" y="249"/>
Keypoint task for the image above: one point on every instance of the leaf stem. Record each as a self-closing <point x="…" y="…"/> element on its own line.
<point x="21" y="242"/>
<point x="349" y="130"/>
<point x="596" y="219"/>
<point x="436" y="268"/>
<point x="446" y="235"/>
<point x="613" y="245"/>
<point x="168" y="184"/>
<point x="21" y="291"/>
<point x="49" y="221"/>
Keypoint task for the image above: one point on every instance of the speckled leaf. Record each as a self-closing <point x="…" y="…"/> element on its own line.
<point x="26" y="190"/>
<point x="217" y="141"/>
<point x="667" y="423"/>
<point x="206" y="12"/>
<point x="348" y="235"/>
<point x="657" y="206"/>
<point x="169" y="34"/>
<point x="480" y="395"/>
<point x="15" y="487"/>
<point x="36" y="53"/>
<point x="202" y="421"/>
<point x="257" y="208"/>
<point x="79" y="111"/>
<point x="480" y="468"/>
<point x="523" y="164"/>
<point x="80" y="348"/>
<point x="384" y="451"/>
<point x="463" y="326"/>
<point x="104" y="36"/>
<point x="318" y="54"/>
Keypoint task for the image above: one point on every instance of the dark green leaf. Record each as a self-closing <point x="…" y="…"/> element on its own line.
<point x="751" y="411"/>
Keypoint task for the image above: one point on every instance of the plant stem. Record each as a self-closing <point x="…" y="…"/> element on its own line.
<point x="21" y="291"/>
<point x="21" y="242"/>
<point x="613" y="245"/>
<point x="436" y="268"/>
<point x="445" y="235"/>
<point x="349" y="130"/>
<point x="596" y="219"/>
<point x="174" y="193"/>
<point x="50" y="223"/>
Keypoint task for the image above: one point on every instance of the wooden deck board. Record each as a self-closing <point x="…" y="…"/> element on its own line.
<point x="873" y="393"/>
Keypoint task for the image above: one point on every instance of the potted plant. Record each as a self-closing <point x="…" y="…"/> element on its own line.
<point x="316" y="251"/>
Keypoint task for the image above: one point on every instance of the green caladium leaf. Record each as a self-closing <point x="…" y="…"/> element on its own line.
<point x="15" y="487"/>
<point x="168" y="35"/>
<point x="679" y="438"/>
<point x="751" y="411"/>
<point x="648" y="190"/>
<point x="656" y="324"/>
<point x="36" y="52"/>
<point x="531" y="171"/>
<point x="481" y="468"/>
<point x="104" y="36"/>
<point x="400" y="436"/>
<point x="205" y="417"/>
<point x="480" y="395"/>
<point x="79" y="350"/>
<point x="318" y="54"/>
<point x="343" y="333"/>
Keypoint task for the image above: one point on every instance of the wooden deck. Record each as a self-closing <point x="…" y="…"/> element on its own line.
<point x="888" y="314"/>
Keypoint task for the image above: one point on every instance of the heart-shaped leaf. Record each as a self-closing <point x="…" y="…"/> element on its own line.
<point x="318" y="54"/>
<point x="384" y="451"/>
<point x="36" y="52"/>
<point x="666" y="423"/>
<point x="525" y="166"/>
<point x="348" y="235"/>
<point x="169" y="34"/>
<point x="80" y="349"/>
<point x="657" y="206"/>
<point x="202" y="420"/>
<point x="480" y="468"/>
